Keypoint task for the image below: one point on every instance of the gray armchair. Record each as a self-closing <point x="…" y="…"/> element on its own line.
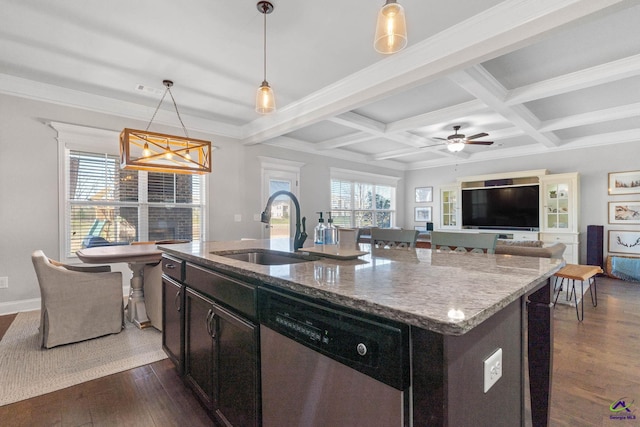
<point x="77" y="302"/>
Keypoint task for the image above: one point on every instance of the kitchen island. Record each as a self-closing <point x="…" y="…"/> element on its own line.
<point x="459" y="309"/>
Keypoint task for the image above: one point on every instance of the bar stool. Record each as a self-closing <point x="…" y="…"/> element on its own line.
<point x="575" y="272"/>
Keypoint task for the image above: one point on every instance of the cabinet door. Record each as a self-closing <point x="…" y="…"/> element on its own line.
<point x="557" y="206"/>
<point x="449" y="212"/>
<point x="173" y="321"/>
<point x="236" y="370"/>
<point x="199" y="337"/>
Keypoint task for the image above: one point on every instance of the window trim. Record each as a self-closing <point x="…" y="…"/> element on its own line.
<point x="82" y="138"/>
<point x="366" y="178"/>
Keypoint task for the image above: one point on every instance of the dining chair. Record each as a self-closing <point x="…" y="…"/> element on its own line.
<point x="77" y="302"/>
<point x="390" y="238"/>
<point x="464" y="242"/>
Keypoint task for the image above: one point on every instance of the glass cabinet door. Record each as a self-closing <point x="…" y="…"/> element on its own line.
<point x="557" y="206"/>
<point x="449" y="208"/>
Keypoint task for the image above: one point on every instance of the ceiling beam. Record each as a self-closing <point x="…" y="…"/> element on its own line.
<point x="343" y="141"/>
<point x="589" y="77"/>
<point x="600" y="116"/>
<point x="478" y="82"/>
<point x="442" y="115"/>
<point x="497" y="30"/>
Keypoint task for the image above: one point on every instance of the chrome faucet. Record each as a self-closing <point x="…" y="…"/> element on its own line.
<point x="299" y="237"/>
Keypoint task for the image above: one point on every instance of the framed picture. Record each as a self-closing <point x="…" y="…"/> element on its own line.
<point x="624" y="242"/>
<point x="424" y="194"/>
<point x="423" y="214"/>
<point x="624" y="212"/>
<point x="624" y="182"/>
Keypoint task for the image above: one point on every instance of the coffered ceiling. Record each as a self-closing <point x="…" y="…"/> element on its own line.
<point x="537" y="76"/>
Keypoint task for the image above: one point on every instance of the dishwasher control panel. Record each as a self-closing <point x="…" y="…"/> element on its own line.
<point x="376" y="347"/>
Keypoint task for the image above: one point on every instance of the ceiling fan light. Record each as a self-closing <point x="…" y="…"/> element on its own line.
<point x="455" y="147"/>
<point x="391" y="29"/>
<point x="265" y="100"/>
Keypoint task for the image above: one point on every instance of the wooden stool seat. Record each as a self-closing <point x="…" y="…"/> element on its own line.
<point x="575" y="272"/>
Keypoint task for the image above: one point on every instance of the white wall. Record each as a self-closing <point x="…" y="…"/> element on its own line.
<point x="593" y="165"/>
<point x="29" y="214"/>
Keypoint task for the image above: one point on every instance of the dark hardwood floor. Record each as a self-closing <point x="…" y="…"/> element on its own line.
<point x="596" y="362"/>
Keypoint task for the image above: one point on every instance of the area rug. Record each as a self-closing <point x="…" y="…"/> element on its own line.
<point x="26" y="370"/>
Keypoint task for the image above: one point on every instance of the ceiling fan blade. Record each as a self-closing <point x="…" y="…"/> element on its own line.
<point x="478" y="135"/>
<point x="479" y="142"/>
<point x="438" y="138"/>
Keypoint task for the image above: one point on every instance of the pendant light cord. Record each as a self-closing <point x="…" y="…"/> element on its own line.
<point x="168" y="89"/>
<point x="264" y="38"/>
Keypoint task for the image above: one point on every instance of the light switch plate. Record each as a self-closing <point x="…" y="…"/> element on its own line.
<point x="492" y="369"/>
<point x="4" y="282"/>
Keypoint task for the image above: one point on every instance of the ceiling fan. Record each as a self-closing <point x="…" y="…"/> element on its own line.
<point x="457" y="141"/>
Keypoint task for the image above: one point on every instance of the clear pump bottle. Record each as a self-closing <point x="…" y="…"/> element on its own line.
<point x="331" y="232"/>
<point x="319" y="231"/>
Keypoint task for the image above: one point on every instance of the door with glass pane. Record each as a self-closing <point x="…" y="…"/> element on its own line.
<point x="282" y="209"/>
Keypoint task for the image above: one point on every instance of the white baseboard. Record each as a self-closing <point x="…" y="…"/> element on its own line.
<point x="21" y="305"/>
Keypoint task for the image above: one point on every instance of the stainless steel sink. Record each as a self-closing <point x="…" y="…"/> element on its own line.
<point x="266" y="256"/>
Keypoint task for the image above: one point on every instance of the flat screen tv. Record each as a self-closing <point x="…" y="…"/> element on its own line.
<point x="501" y="208"/>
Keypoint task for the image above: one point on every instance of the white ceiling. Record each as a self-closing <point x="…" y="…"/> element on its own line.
<point x="537" y="76"/>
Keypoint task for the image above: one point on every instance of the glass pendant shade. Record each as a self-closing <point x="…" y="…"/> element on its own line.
<point x="391" y="30"/>
<point x="456" y="146"/>
<point x="265" y="101"/>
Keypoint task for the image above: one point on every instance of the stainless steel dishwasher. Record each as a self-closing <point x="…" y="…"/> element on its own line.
<point x="324" y="366"/>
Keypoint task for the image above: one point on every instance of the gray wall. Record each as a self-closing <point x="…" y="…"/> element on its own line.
<point x="29" y="215"/>
<point x="593" y="165"/>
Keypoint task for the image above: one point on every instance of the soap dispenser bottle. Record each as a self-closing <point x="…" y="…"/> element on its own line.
<point x="318" y="232"/>
<point x="331" y="232"/>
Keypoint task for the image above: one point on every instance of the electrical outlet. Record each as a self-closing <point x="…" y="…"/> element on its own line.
<point x="237" y="218"/>
<point x="4" y="282"/>
<point x="492" y="369"/>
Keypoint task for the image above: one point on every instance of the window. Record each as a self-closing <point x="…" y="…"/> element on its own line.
<point x="360" y="204"/>
<point x="105" y="205"/>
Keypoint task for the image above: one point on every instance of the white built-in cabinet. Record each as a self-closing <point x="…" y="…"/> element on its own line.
<point x="559" y="212"/>
<point x="449" y="212"/>
<point x="559" y="219"/>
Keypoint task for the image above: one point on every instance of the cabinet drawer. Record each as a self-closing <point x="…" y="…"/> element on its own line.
<point x="173" y="267"/>
<point x="236" y="294"/>
<point x="559" y="237"/>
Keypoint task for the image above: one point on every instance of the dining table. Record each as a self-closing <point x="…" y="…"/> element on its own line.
<point x="136" y="257"/>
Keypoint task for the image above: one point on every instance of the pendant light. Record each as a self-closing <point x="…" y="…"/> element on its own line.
<point x="391" y="30"/>
<point x="157" y="152"/>
<point x="265" y="101"/>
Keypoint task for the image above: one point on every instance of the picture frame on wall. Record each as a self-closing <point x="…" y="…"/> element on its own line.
<point x="624" y="182"/>
<point x="624" y="242"/>
<point x="423" y="214"/>
<point x="624" y="212"/>
<point x="424" y="194"/>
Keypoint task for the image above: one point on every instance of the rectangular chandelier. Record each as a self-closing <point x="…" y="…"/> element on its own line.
<point x="157" y="152"/>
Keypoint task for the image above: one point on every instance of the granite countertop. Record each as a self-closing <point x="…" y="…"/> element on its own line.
<point x="447" y="293"/>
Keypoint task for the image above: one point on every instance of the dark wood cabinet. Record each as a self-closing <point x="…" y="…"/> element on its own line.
<point x="221" y="360"/>
<point x="173" y="321"/>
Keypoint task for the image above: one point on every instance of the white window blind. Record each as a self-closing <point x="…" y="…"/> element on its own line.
<point x="109" y="206"/>
<point x="361" y="204"/>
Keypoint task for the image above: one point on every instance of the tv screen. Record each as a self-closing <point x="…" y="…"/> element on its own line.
<point x="508" y="208"/>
